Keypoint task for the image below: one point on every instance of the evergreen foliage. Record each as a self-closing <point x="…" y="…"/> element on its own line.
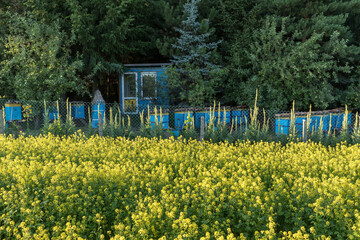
<point x="193" y="73"/>
<point x="171" y="16"/>
<point x="192" y="43"/>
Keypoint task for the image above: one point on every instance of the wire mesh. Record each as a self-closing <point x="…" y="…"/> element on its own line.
<point x="31" y="116"/>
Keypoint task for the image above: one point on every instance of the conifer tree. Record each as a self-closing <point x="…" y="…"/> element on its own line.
<point x="171" y="12"/>
<point x="193" y="75"/>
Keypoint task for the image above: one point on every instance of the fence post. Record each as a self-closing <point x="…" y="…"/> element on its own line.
<point x="2" y="127"/>
<point x="202" y="128"/>
<point x="100" y="124"/>
<point x="304" y="131"/>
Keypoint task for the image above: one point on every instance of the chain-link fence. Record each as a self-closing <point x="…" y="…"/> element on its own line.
<point x="32" y="116"/>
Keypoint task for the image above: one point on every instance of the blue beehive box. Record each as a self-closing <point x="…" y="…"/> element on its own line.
<point x="96" y="110"/>
<point x="53" y="115"/>
<point x="336" y="117"/>
<point x="78" y="111"/>
<point x="240" y="116"/>
<point x="198" y="116"/>
<point x="164" y="120"/>
<point x="339" y="118"/>
<point x="98" y="107"/>
<point x="176" y="133"/>
<point x="336" y="121"/>
<point x="222" y="117"/>
<point x="180" y="116"/>
<point x="13" y="111"/>
<point x="282" y="125"/>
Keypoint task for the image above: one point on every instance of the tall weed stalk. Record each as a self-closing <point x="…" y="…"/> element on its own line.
<point x="57" y="127"/>
<point x="256" y="131"/>
<point x="116" y="127"/>
<point x="355" y="137"/>
<point x="345" y="134"/>
<point x="189" y="131"/>
<point x="154" y="130"/>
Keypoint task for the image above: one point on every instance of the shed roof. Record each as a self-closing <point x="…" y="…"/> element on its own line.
<point x="147" y="64"/>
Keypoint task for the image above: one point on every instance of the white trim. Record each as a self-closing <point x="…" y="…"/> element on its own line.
<point x="130" y="98"/>
<point x="142" y="84"/>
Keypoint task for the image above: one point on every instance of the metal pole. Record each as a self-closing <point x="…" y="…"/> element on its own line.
<point x="304" y="131"/>
<point x="202" y="128"/>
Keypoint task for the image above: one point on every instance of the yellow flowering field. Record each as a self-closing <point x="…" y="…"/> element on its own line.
<point x="106" y="188"/>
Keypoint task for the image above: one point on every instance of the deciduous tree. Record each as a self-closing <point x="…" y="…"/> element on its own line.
<point x="301" y="50"/>
<point x="36" y="63"/>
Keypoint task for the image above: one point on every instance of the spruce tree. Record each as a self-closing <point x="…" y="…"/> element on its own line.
<point x="193" y="75"/>
<point x="171" y="12"/>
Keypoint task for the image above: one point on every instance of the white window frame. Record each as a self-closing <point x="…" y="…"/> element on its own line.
<point x="142" y="84"/>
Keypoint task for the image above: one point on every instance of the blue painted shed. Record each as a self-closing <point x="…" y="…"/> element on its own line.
<point x="142" y="85"/>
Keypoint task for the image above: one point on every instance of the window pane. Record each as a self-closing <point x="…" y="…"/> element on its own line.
<point x="149" y="85"/>
<point x="129" y="85"/>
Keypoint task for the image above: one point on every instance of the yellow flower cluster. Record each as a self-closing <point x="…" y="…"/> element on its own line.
<point x="27" y="111"/>
<point x="106" y="188"/>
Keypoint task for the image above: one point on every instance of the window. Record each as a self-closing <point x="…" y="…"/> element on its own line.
<point x="148" y="84"/>
<point x="129" y="85"/>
